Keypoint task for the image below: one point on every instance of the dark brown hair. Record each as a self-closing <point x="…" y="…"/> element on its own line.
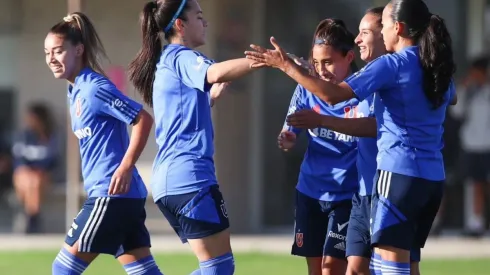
<point x="334" y="33"/>
<point x="155" y="18"/>
<point x="430" y="33"/>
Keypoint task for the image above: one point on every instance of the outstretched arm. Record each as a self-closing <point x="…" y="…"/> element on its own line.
<point x="309" y="119"/>
<point x="278" y="58"/>
<point x="381" y="73"/>
<point x="358" y="127"/>
<point x="229" y="70"/>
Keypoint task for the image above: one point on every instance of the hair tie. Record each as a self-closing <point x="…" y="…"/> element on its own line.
<point x="176" y="15"/>
<point x="69" y="18"/>
<point x="320" y="41"/>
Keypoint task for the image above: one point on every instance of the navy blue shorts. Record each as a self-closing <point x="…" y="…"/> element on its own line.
<point x="403" y="209"/>
<point x="477" y="166"/>
<point x="358" y="236"/>
<point x="196" y="215"/>
<point x="108" y="225"/>
<point x="320" y="227"/>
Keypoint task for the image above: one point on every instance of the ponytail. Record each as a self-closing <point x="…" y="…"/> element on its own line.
<point x="78" y="29"/>
<point x="143" y="67"/>
<point x="436" y="57"/>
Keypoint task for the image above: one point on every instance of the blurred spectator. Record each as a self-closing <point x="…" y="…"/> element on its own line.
<point x="5" y="164"/>
<point x="35" y="156"/>
<point x="473" y="110"/>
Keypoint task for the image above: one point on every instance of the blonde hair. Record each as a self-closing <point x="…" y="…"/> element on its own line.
<point x="78" y="29"/>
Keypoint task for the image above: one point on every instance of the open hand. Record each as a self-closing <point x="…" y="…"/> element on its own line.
<point x="286" y="140"/>
<point x="120" y="181"/>
<point x="276" y="58"/>
<point x="217" y="89"/>
<point x="305" y="119"/>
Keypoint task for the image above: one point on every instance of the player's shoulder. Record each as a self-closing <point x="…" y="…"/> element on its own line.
<point x="390" y="59"/>
<point x="300" y="89"/>
<point x="386" y="62"/>
<point x="94" y="82"/>
<point x="174" y="51"/>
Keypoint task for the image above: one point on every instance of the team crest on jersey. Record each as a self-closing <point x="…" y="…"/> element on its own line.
<point x="316" y="108"/>
<point x="78" y="107"/>
<point x="350" y="112"/>
<point x="299" y="239"/>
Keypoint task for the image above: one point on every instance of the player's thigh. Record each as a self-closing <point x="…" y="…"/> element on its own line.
<point x="398" y="202"/>
<point x="338" y="223"/>
<point x="334" y="261"/>
<point x="99" y="228"/>
<point x="203" y="221"/>
<point x="136" y="244"/>
<point x="358" y="241"/>
<point x="358" y="236"/>
<point x="310" y="227"/>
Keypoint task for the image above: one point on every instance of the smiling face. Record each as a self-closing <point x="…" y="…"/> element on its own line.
<point x="62" y="57"/>
<point x="330" y="64"/>
<point x="369" y="40"/>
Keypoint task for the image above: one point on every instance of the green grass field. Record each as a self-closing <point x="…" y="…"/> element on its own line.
<point x="39" y="263"/>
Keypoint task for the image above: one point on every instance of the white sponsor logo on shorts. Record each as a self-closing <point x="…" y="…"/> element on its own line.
<point x="337" y="236"/>
<point x="340" y="227"/>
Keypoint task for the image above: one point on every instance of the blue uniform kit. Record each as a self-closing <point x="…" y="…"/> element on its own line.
<point x="327" y="181"/>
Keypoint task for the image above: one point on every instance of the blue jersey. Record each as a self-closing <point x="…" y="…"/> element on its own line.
<point x="184" y="129"/>
<point x="409" y="128"/>
<point x="367" y="150"/>
<point x="328" y="171"/>
<point x="30" y="151"/>
<point x="100" y="114"/>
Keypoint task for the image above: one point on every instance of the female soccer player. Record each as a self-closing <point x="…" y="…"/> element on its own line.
<point x="328" y="175"/>
<point x="413" y="89"/>
<point x="112" y="219"/>
<point x="178" y="82"/>
<point x="35" y="156"/>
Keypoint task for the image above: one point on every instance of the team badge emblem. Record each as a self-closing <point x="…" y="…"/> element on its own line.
<point x="299" y="239"/>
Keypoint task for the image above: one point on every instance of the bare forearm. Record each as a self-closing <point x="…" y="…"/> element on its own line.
<point x="139" y="137"/>
<point x="326" y="91"/>
<point x="358" y="127"/>
<point x="229" y="70"/>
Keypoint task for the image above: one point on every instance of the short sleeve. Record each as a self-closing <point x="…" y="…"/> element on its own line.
<point x="370" y="101"/>
<point x="296" y="104"/>
<point x="192" y="67"/>
<point x="378" y="74"/>
<point x="106" y="99"/>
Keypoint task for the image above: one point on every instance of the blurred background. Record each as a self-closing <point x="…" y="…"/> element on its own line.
<point x="256" y="178"/>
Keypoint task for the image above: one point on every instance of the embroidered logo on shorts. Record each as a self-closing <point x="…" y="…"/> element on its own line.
<point x="299" y="239"/>
<point x="340" y="246"/>
<point x="223" y="209"/>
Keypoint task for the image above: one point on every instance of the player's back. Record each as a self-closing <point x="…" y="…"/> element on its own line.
<point x="97" y="116"/>
<point x="410" y="128"/>
<point x="184" y="129"/>
<point x="329" y="171"/>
